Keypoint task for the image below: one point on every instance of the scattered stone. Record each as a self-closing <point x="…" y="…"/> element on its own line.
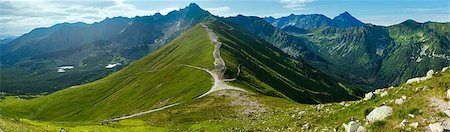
<point x="305" y="126"/>
<point x="448" y="94"/>
<point x="399" y="101"/>
<point x="342" y="103"/>
<point x="411" y="115"/>
<point x="436" y="127"/>
<point x="301" y="112"/>
<point x="414" y="124"/>
<point x="425" y="88"/>
<point x="404" y="97"/>
<point x="447" y="112"/>
<point x="378" y="91"/>
<point x="354" y="126"/>
<point x="444" y="69"/>
<point x="384" y="94"/>
<point x="293" y="116"/>
<point x="300" y="117"/>
<point x="368" y="96"/>
<point x="403" y="123"/>
<point x="347" y="105"/>
<point x="379" y="113"/>
<point x="446" y="125"/>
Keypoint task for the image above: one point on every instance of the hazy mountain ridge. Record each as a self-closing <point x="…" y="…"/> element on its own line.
<point x="312" y="21"/>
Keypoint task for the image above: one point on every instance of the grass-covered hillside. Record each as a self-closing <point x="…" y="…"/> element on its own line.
<point x="156" y="80"/>
<point x="162" y="78"/>
<point x="240" y="111"/>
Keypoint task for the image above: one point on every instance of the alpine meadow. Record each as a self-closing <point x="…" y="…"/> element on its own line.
<point x="283" y="65"/>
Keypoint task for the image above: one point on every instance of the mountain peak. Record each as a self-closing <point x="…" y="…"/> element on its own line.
<point x="346" y="20"/>
<point x="193" y="6"/>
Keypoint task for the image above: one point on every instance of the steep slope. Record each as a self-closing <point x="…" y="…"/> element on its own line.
<point x="266" y="69"/>
<point x="354" y="53"/>
<point x="167" y="76"/>
<point x="374" y="56"/>
<point x="36" y="56"/>
<point x="418" y="48"/>
<point x="294" y="46"/>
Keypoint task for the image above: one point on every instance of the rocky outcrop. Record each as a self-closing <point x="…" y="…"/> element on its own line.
<point x="368" y="96"/>
<point x="379" y="113"/>
<point x="354" y="126"/>
<point x="418" y="79"/>
<point x="436" y="127"/>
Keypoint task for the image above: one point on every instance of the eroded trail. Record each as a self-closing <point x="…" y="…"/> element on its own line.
<point x="141" y="113"/>
<point x="217" y="73"/>
<point x="220" y="67"/>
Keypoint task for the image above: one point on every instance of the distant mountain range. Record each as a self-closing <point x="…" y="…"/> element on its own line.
<point x="312" y="21"/>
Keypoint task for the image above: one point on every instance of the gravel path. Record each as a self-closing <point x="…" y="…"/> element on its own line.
<point x="141" y="113"/>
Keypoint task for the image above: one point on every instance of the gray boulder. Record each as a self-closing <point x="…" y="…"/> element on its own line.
<point x="379" y="113"/>
<point x="368" y="96"/>
<point x="354" y="126"/>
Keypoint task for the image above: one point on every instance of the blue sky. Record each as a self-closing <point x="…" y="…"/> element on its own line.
<point x="19" y="17"/>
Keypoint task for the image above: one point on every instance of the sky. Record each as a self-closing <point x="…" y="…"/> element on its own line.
<point x="18" y="17"/>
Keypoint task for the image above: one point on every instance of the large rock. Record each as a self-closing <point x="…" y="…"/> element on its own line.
<point x="368" y="96"/>
<point x="379" y="114"/>
<point x="354" y="126"/>
<point x="436" y="127"/>
<point x="384" y="93"/>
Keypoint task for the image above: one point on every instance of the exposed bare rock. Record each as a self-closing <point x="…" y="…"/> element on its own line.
<point x="368" y="96"/>
<point x="436" y="127"/>
<point x="399" y="101"/>
<point x="418" y="79"/>
<point x="379" y="113"/>
<point x="384" y="93"/>
<point x="354" y="126"/>
<point x="414" y="124"/>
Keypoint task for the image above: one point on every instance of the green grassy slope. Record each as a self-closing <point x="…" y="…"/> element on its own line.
<point x="161" y="79"/>
<point x="268" y="70"/>
<point x="154" y="81"/>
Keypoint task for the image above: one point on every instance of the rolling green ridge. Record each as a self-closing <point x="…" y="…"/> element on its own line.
<point x="240" y="111"/>
<point x="161" y="78"/>
<point x="156" y="80"/>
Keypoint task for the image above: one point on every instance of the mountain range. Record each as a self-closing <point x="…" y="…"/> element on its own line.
<point x="190" y="70"/>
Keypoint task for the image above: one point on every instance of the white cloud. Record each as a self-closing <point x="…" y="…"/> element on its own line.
<point x="18" y="17"/>
<point x="295" y="4"/>
<point x="221" y="11"/>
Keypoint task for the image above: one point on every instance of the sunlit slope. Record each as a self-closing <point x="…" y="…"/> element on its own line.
<point x="266" y="69"/>
<point x="154" y="81"/>
<point x="162" y="78"/>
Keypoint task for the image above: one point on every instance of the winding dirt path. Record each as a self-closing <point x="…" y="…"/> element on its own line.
<point x="141" y="113"/>
<point x="220" y="67"/>
<point x="217" y="74"/>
